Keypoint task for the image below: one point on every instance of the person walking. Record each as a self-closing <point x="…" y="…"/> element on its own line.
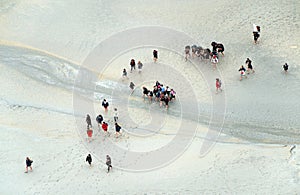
<point x="99" y="119"/>
<point x="108" y="163"/>
<point x="256" y="31"/>
<point x="104" y="126"/>
<point x="285" y="67"/>
<point x="218" y="85"/>
<point x="131" y="86"/>
<point x="155" y="55"/>
<point x="89" y="159"/>
<point x="140" y="66"/>
<point x="187" y="50"/>
<point x="89" y="133"/>
<point x="124" y="73"/>
<point x="214" y="61"/>
<point x="118" y="129"/>
<point x="249" y="66"/>
<point x="116" y="115"/>
<point x="28" y="164"/>
<point x="88" y="121"/>
<point x="105" y="105"/>
<point x="242" y="71"/>
<point x="132" y="65"/>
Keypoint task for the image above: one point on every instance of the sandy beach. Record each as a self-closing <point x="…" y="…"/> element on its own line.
<point x="60" y="59"/>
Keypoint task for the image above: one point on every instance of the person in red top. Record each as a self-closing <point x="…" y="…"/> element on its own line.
<point x="105" y="127"/>
<point x="218" y="85"/>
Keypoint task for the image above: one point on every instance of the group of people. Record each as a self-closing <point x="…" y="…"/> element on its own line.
<point x="102" y="124"/>
<point x="139" y="64"/>
<point x="198" y="51"/>
<point x="243" y="71"/>
<point x="161" y="93"/>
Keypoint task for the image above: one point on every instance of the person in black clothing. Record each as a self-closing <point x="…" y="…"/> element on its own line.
<point x="249" y="66"/>
<point x="118" y="129"/>
<point x="167" y="102"/>
<point x="214" y="46"/>
<point x="220" y="48"/>
<point x="150" y="96"/>
<point x="108" y="163"/>
<point x="145" y="92"/>
<point x="155" y="55"/>
<point x="285" y="67"/>
<point x="28" y="164"/>
<point x="105" y="105"/>
<point x="132" y="65"/>
<point x="89" y="159"/>
<point x="99" y="119"/>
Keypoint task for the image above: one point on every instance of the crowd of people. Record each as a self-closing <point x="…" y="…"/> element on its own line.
<point x="198" y="51"/>
<point x="160" y="93"/>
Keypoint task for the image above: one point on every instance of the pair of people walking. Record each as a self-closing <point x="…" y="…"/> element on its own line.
<point x="108" y="161"/>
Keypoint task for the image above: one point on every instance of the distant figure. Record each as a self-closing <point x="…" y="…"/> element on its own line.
<point x="214" y="46"/>
<point x="99" y="119"/>
<point x="132" y="65"/>
<point x="108" y="163"/>
<point x="89" y="159"/>
<point x="105" y="128"/>
<point x="214" y="61"/>
<point x="167" y="100"/>
<point x="187" y="52"/>
<point x="116" y="117"/>
<point x="145" y="92"/>
<point x="194" y="48"/>
<point x="249" y="66"/>
<point x="218" y="85"/>
<point x="285" y="67"/>
<point x="150" y="96"/>
<point x="131" y="86"/>
<point x="118" y="129"/>
<point x="256" y="31"/>
<point x="105" y="105"/>
<point x="89" y="133"/>
<point x="140" y="66"/>
<point x="292" y="149"/>
<point x="220" y="48"/>
<point x="88" y="121"/>
<point x="173" y="93"/>
<point x="155" y="55"/>
<point x="124" y="73"/>
<point x="28" y="164"/>
<point x="242" y="71"/>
